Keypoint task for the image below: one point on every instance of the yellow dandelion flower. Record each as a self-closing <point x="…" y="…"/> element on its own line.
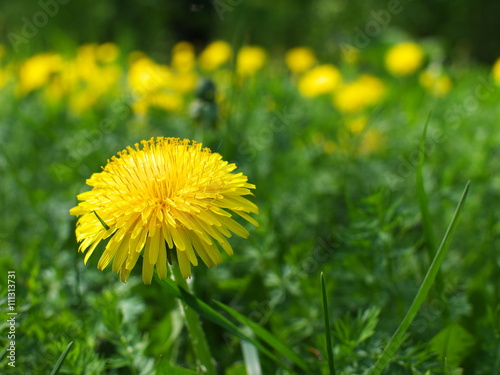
<point x="185" y="82"/>
<point x="37" y="70"/>
<point x="168" y="196"/>
<point x="145" y="76"/>
<point x="320" y="80"/>
<point x="300" y="59"/>
<point x="249" y="60"/>
<point x="355" y="96"/>
<point x="166" y="101"/>
<point x="215" y="55"/>
<point x="4" y="77"/>
<point x="357" y="125"/>
<point x="183" y="58"/>
<point x="54" y="91"/>
<point x="86" y="62"/>
<point x="437" y="84"/>
<point x="404" y="58"/>
<point x="140" y="107"/>
<point x="106" y="80"/>
<point x="496" y="71"/>
<point x="107" y="52"/>
<point x="82" y="101"/>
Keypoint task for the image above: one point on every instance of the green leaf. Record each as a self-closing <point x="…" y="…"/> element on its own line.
<point x="3" y="353"/>
<point x="165" y="368"/>
<point x="61" y="359"/>
<point x="452" y="345"/>
<point x="353" y="331"/>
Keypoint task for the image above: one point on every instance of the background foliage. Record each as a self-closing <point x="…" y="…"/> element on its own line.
<point x="331" y="199"/>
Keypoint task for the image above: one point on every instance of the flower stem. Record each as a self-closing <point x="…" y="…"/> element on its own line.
<point x="193" y="323"/>
<point x="400" y="335"/>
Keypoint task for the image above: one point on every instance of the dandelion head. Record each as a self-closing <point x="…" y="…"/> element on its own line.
<point x="166" y="196"/>
<point x="320" y="80"/>
<point x="249" y="60"/>
<point x="365" y="91"/>
<point x="404" y="58"/>
<point x="215" y="54"/>
<point x="300" y="59"/>
<point x="183" y="57"/>
<point x="436" y="83"/>
<point x="107" y="52"/>
<point x="37" y="71"/>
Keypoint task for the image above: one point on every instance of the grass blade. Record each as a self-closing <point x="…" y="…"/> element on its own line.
<point x="400" y="334"/>
<point x="423" y="203"/>
<point x="328" y="335"/>
<point x="209" y="313"/>
<point x="265" y="336"/>
<point x="61" y="359"/>
<point x="423" y="200"/>
<point x="199" y="342"/>
<point x="251" y="358"/>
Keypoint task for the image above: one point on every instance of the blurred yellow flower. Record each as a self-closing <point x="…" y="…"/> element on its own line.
<point x="185" y="82"/>
<point x="166" y="192"/>
<point x="107" y="52"/>
<point x="4" y="77"/>
<point x="357" y="124"/>
<point x="183" y="58"/>
<point x="320" y="80"/>
<point x="496" y="71"/>
<point x="55" y="90"/>
<point x="404" y="58"/>
<point x="36" y="71"/>
<point x="215" y="54"/>
<point x="107" y="79"/>
<point x="164" y="100"/>
<point x="140" y="107"/>
<point x="146" y="76"/>
<point x="249" y="60"/>
<point x="81" y="101"/>
<point x="353" y="97"/>
<point x="86" y="62"/>
<point x="300" y="59"/>
<point x="436" y="83"/>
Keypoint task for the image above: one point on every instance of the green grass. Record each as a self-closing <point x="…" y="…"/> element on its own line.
<point x="357" y="218"/>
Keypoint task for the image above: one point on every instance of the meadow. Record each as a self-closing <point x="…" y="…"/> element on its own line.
<point x="348" y="185"/>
